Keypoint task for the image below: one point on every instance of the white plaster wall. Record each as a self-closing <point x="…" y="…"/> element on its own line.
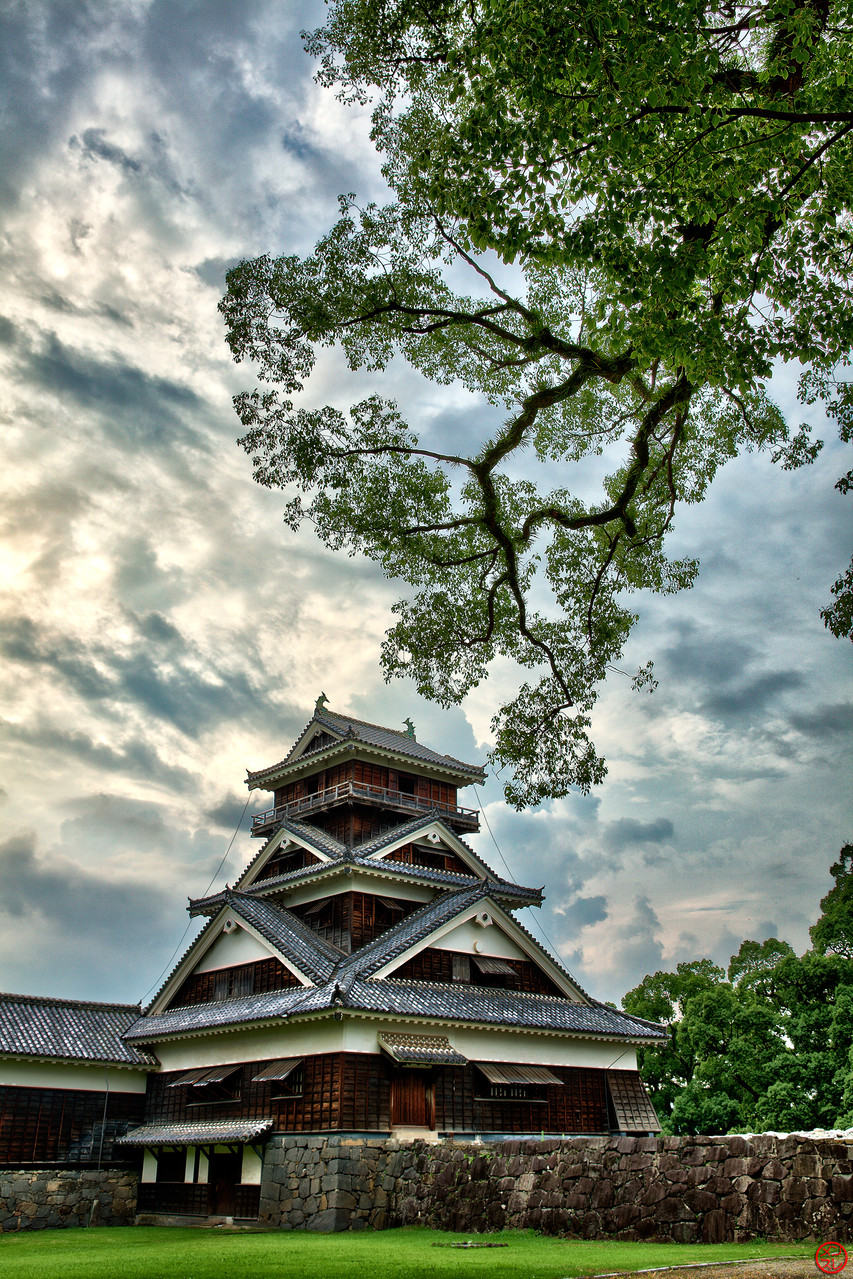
<point x="230" y="949"/>
<point x="359" y="883"/>
<point x="149" y="1167"/>
<point x="40" y="1074"/>
<point x="490" y="941"/>
<point x="252" y="1167"/>
<point x="360" y="1035"/>
<point x="299" y="1040"/>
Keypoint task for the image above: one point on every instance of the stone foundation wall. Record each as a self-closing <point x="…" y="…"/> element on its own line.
<point x="331" y="1182"/>
<point x="688" y="1189"/>
<point x="61" y="1197"/>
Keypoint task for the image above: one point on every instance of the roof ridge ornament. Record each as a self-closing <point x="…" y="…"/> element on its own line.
<point x="321" y="702"/>
<point x="410" y="729"/>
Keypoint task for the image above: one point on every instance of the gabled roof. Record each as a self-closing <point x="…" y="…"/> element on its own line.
<point x="310" y="956"/>
<point x="381" y="870"/>
<point x="490" y="1006"/>
<point x="420" y="1001"/>
<point x="408" y="932"/>
<point x="294" y="940"/>
<point x="69" y="1030"/>
<point x="367" y="856"/>
<point x="354" y="732"/>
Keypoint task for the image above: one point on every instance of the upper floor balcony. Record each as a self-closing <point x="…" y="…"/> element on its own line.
<point x="467" y="819"/>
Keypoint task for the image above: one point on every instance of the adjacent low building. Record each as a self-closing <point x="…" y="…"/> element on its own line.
<point x="365" y="974"/>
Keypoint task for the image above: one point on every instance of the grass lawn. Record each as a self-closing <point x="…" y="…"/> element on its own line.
<point x="174" y="1253"/>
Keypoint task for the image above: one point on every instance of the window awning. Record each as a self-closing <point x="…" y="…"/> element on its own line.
<point x="487" y="964"/>
<point x="204" y="1075"/>
<point x="503" y="1073"/>
<point x="317" y="906"/>
<point x="205" y="1133"/>
<point x="421" y="1050"/>
<point x="632" y="1105"/>
<point x="277" y="1070"/>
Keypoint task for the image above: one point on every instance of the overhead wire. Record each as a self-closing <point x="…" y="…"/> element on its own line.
<point x="213" y="877"/>
<point x="534" y="919"/>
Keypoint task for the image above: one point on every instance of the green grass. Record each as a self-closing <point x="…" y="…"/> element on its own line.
<point x="177" y="1253"/>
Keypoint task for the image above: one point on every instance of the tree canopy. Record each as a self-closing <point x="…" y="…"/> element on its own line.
<point x="766" y="1045"/>
<point x="607" y="223"/>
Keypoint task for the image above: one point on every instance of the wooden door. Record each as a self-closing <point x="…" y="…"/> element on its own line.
<point x="411" y="1100"/>
<point x="223" y="1175"/>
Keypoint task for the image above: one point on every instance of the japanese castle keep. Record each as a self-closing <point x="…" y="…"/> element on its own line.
<point x="365" y="975"/>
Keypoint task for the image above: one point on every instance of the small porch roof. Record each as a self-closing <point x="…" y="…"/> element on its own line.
<point x="208" y="1132"/>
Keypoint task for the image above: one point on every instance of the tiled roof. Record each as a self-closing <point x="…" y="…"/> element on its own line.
<point x="363" y="856"/>
<point x="270" y="1006"/>
<point x="432" y="1000"/>
<point x="311" y="953"/>
<point x="414" y="928"/>
<point x="492" y="1006"/>
<point x="68" y="1029"/>
<point x="206" y="1132"/>
<point x="389" y="739"/>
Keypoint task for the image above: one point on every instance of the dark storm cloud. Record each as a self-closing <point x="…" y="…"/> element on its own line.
<point x="627" y="831"/>
<point x="824" y="721"/>
<point x="142" y="409"/>
<point x="166" y="682"/>
<point x="751" y="698"/>
<point x="66" y="895"/>
<point x="134" y="759"/>
<point x="227" y="813"/>
<point x="582" y="912"/>
<point x="22" y="641"/>
<point x="8" y="332"/>
<point x="94" y="143"/>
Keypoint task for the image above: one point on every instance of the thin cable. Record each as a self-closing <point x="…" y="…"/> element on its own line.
<point x="156" y="983"/>
<point x="539" y="924"/>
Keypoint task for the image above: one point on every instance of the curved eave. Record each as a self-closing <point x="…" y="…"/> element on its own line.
<point x="366" y="1014"/>
<point x="266" y="778"/>
<point x="96" y="1062"/>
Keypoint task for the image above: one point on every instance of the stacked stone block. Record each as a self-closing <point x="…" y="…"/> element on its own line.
<point x="50" y="1198"/>
<point x="325" y="1182"/>
<point x="687" y="1189"/>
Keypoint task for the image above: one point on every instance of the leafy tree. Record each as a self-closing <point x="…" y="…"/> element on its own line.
<point x="606" y="224"/>
<point x="668" y="1069"/>
<point x="833" y="932"/>
<point x="770" y="1048"/>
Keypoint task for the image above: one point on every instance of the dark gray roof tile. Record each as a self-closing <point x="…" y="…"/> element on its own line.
<point x="200" y="1133"/>
<point x="311" y="953"/>
<point x="495" y="1007"/>
<point x="389" y="739"/>
<point x="68" y="1029"/>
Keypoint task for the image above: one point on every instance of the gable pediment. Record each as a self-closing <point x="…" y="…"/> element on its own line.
<point x="430" y="842"/>
<point x="483" y="929"/>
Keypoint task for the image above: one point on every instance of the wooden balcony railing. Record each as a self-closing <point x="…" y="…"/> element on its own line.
<point x="371" y="795"/>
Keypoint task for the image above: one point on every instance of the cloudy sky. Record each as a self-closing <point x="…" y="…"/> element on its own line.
<point x="161" y="631"/>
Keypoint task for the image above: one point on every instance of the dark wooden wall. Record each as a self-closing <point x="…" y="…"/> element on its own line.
<point x="241" y="979"/>
<point x="351" y="920"/>
<point x="367" y="774"/>
<point x="63" y="1126"/>
<point x="437" y="965"/>
<point x="352" y="1091"/>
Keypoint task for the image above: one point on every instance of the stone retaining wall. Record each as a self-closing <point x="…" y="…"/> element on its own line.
<point x="61" y="1197"/>
<point x="688" y="1189"/>
<point x="332" y="1182"/>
